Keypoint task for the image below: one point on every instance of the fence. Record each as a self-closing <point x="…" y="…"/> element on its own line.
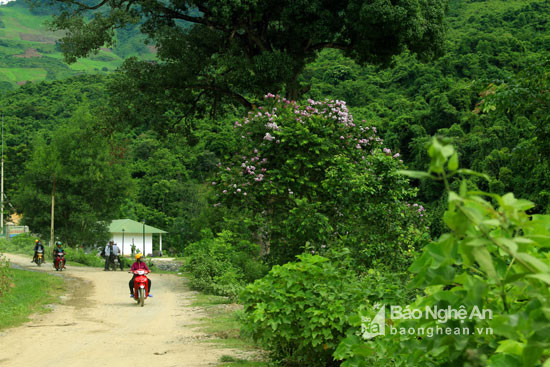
<point x="12" y="230"/>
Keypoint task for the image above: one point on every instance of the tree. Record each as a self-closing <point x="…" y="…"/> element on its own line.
<point x="234" y="50"/>
<point x="90" y="183"/>
<point x="307" y="177"/>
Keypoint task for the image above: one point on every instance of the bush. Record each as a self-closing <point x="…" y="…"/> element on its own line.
<point x="299" y="311"/>
<point x="493" y="258"/>
<point x="21" y="244"/>
<point x="223" y="265"/>
<point x="5" y="275"/>
<point x="78" y="255"/>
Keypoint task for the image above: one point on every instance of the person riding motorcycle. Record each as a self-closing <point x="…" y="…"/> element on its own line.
<point x="37" y="247"/>
<point x="58" y="250"/>
<point x="139" y="265"/>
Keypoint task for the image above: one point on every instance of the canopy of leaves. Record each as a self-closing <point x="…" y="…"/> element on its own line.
<point x="90" y="184"/>
<point x="232" y="50"/>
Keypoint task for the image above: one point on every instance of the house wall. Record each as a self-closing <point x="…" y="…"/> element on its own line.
<point x="136" y="239"/>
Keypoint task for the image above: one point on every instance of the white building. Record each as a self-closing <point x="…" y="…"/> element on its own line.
<point x="125" y="232"/>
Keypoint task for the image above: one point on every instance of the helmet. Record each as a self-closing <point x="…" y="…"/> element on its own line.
<point x="38" y="242"/>
<point x="139" y="256"/>
<point x="58" y="243"/>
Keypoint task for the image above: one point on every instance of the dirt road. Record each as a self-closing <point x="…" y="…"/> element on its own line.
<point x="99" y="324"/>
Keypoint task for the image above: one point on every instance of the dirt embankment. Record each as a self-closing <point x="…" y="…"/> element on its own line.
<point x="99" y="324"/>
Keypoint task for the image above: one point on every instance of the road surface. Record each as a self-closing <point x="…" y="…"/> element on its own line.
<point x="98" y="324"/>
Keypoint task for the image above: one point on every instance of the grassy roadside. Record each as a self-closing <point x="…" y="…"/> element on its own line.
<point x="222" y="321"/>
<point x="29" y="293"/>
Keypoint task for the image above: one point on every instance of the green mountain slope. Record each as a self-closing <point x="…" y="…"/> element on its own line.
<point x="28" y="51"/>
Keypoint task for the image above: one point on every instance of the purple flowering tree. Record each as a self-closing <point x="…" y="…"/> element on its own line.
<point x="315" y="179"/>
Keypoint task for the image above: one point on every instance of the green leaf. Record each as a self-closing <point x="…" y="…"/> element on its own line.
<point x="483" y="258"/>
<point x="533" y="261"/>
<point x="414" y="174"/>
<point x="544" y="277"/>
<point x="507" y="243"/>
<point x="511" y="347"/>
<point x="504" y="360"/>
<point x="466" y="171"/>
<point x="447" y="151"/>
<point x="478" y="241"/>
<point x="453" y="162"/>
<point x="519" y="204"/>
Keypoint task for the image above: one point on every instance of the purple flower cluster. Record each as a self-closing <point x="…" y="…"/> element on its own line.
<point x="418" y="209"/>
<point x="264" y="128"/>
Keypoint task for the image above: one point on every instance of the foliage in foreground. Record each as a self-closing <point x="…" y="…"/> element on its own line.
<point x="492" y="265"/>
<point x="495" y="257"/>
<point x="300" y="311"/>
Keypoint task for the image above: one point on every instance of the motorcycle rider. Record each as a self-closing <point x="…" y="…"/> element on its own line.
<point x="58" y="250"/>
<point x="139" y="265"/>
<point x="37" y="246"/>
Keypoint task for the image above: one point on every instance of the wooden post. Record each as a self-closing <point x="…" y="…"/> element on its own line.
<point x="53" y="211"/>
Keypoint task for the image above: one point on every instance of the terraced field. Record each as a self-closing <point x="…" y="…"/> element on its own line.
<point x="29" y="52"/>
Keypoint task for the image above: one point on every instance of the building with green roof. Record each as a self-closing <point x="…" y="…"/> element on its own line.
<point x="128" y="232"/>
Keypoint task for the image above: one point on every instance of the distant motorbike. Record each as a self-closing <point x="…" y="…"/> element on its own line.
<point x="39" y="257"/>
<point x="141" y="286"/>
<point x="59" y="262"/>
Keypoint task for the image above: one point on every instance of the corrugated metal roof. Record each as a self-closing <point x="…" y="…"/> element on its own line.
<point x="131" y="226"/>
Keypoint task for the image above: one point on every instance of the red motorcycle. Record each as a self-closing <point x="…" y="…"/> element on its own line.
<point x="141" y="286"/>
<point x="59" y="262"/>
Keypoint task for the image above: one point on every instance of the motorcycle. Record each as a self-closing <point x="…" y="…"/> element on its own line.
<point x="141" y="286"/>
<point x="39" y="257"/>
<point x="59" y="262"/>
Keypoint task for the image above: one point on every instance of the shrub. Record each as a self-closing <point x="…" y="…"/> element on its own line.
<point x="5" y="275"/>
<point x="78" y="255"/>
<point x="223" y="265"/>
<point x="22" y="244"/>
<point x="493" y="258"/>
<point x="299" y="311"/>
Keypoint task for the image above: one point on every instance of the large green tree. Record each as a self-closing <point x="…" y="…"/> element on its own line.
<point x="307" y="177"/>
<point x="222" y="50"/>
<point x="90" y="183"/>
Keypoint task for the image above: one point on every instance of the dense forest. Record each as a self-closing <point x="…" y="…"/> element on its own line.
<point x="315" y="167"/>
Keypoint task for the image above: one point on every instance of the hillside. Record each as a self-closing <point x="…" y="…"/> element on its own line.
<point x="29" y="52"/>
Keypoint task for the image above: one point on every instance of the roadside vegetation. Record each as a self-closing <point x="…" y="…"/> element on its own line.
<point x="309" y="169"/>
<point x="23" y="293"/>
<point x="222" y="322"/>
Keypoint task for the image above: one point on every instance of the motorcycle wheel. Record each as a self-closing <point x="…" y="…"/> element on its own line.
<point x="141" y="293"/>
<point x="38" y="262"/>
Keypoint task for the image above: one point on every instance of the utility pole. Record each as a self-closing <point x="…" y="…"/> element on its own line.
<point x="144" y="237"/>
<point x="53" y="211"/>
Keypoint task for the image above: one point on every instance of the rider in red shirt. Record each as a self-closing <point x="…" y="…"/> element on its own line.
<point x="139" y="265"/>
